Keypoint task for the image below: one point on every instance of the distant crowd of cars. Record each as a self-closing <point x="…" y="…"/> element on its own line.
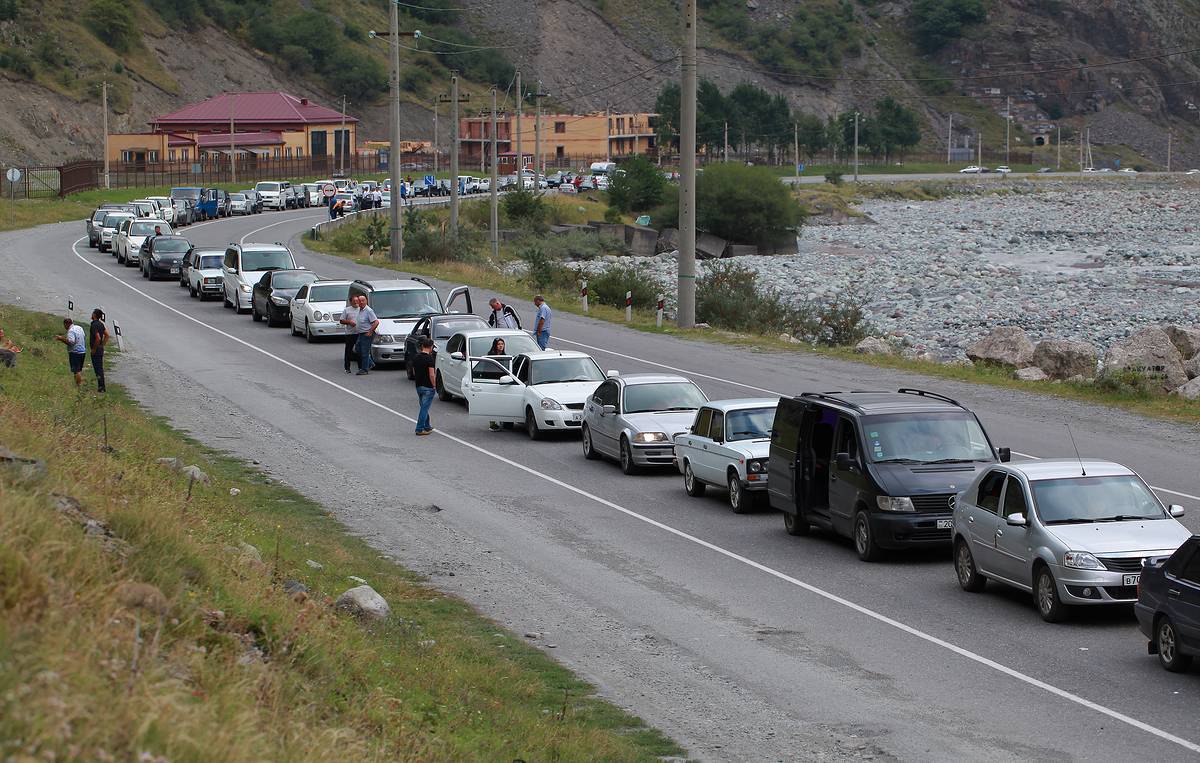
<point x="890" y="471"/>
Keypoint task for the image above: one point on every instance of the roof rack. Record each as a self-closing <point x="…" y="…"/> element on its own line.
<point x="831" y="396"/>
<point x="418" y="279"/>
<point x="925" y="393"/>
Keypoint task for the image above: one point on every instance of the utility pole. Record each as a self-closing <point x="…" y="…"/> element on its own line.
<point x="950" y="139"/>
<point x="343" y="147"/>
<point x="1058" y="140"/>
<point x="520" y="163"/>
<point x="796" y="148"/>
<point x="1007" y="126"/>
<point x="1081" y="153"/>
<point x="607" y="133"/>
<point x="232" y="152"/>
<point x="979" y="148"/>
<point x="437" y="165"/>
<point x="454" y="101"/>
<point x="686" y="301"/>
<point x="1170" y="135"/>
<point x="856" y="147"/>
<point x="104" y="106"/>
<point x="538" y="166"/>
<point x="726" y="155"/>
<point x="396" y="252"/>
<point x="495" y="221"/>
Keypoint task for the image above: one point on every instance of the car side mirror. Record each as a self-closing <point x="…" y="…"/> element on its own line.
<point x="1175" y="510"/>
<point x="456" y="356"/>
<point x="608" y="410"/>
<point x="506" y="379"/>
<point x="612" y="374"/>
<point x="843" y="462"/>
<point x="1004" y="454"/>
<point x="1016" y="520"/>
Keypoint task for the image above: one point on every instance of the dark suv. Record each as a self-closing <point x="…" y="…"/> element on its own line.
<point x="1168" y="606"/>
<point x="881" y="468"/>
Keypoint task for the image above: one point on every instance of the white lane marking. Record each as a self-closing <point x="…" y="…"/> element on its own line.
<point x="781" y="394"/>
<point x="922" y="635"/>
<point x="281" y="222"/>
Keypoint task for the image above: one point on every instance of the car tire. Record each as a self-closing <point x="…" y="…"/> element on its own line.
<point x="291" y="325"/>
<point x="1045" y="596"/>
<point x="864" y="539"/>
<point x="692" y="486"/>
<point x="740" y="501"/>
<point x="270" y="316"/>
<point x="442" y="394"/>
<point x="120" y="259"/>
<point x="965" y="570"/>
<point x="796" y="524"/>
<point x="254" y="312"/>
<point x="225" y="299"/>
<point x="589" y="449"/>
<point x="1166" y="644"/>
<point x="531" y="425"/>
<point x="308" y="334"/>
<point x="627" y="463"/>
<point x="183" y="284"/>
<point x="192" y="292"/>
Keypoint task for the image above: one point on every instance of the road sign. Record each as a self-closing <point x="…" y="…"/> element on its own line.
<point x="13" y="174"/>
<point x="329" y="190"/>
<point x="430" y="180"/>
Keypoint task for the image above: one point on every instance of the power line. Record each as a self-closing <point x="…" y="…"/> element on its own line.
<point x="467" y="45"/>
<point x="431" y="8"/>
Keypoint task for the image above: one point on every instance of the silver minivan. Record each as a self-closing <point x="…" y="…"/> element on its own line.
<point x="1071" y="532"/>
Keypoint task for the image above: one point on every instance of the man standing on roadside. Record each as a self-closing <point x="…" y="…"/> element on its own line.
<point x="98" y="339"/>
<point x="349" y="319"/>
<point x="425" y="379"/>
<point x="367" y="325"/>
<point x="74" y="340"/>
<point x="503" y="316"/>
<point x="541" y="328"/>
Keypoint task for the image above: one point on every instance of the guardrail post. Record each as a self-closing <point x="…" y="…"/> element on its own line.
<point x="583" y="295"/>
<point x="628" y="306"/>
<point x="658" y="315"/>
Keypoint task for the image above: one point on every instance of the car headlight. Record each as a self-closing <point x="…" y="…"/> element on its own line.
<point x="551" y="405"/>
<point x="650" y="437"/>
<point x="384" y="339"/>
<point x="281" y="301"/>
<point x="1081" y="560"/>
<point x="756" y="465"/>
<point x="891" y="503"/>
<point x="245" y="287"/>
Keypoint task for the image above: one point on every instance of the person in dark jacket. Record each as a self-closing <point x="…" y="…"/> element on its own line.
<point x="502" y="316"/>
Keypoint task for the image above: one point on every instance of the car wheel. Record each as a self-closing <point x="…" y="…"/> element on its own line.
<point x="531" y="425"/>
<point x="694" y="487"/>
<point x="739" y="500"/>
<point x="254" y="312"/>
<point x="271" y="322"/>
<point x="192" y="292"/>
<point x="120" y="259"/>
<point x="864" y="539"/>
<point x="1045" y="594"/>
<point x="292" y="325"/>
<point x="627" y="464"/>
<point x="308" y="334"/>
<point x="1166" y="642"/>
<point x="442" y="394"/>
<point x="969" y="578"/>
<point x="589" y="449"/>
<point x="796" y="524"/>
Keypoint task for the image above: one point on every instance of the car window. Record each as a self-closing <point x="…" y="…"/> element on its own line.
<point x="522" y="368"/>
<point x="716" y="430"/>
<point x="1191" y="569"/>
<point x="210" y="261"/>
<point x="989" y="492"/>
<point x="171" y="244"/>
<point x="292" y="280"/>
<point x="1095" y="499"/>
<point x="302" y="293"/>
<point x="513" y="345"/>
<point x="406" y="303"/>
<point x="607" y="393"/>
<point x="267" y="187"/>
<point x="231" y="259"/>
<point x="749" y="423"/>
<point x="847" y="438"/>
<point x="785" y="427"/>
<point x="703" y="419"/>
<point x="330" y="293"/>
<point x="561" y="370"/>
<point x="146" y="229"/>
<point x="267" y="259"/>
<point x="443" y="329"/>
<point x="927" y="438"/>
<point x="662" y="396"/>
<point x="1014" y="498"/>
<point x="456" y="343"/>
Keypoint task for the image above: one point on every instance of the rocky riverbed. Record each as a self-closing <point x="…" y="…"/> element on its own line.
<point x="1093" y="261"/>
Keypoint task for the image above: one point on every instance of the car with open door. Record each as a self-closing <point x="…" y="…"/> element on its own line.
<point x="544" y="390"/>
<point x="399" y="303"/>
<point x="454" y="364"/>
<point x="727" y="446"/>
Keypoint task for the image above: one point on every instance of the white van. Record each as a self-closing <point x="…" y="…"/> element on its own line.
<point x="603" y="168"/>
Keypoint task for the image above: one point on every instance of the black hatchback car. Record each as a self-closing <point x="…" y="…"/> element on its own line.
<point x="1168" y="606"/>
<point x="163" y="256"/>
<point x="439" y="328"/>
<point x="273" y="294"/>
<point x="881" y="468"/>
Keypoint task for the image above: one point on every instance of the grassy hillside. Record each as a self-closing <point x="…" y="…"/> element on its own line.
<point x="136" y="623"/>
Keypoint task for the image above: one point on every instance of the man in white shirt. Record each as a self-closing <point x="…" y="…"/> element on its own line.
<point x="349" y="319"/>
<point x="377" y="196"/>
<point x="76" y="350"/>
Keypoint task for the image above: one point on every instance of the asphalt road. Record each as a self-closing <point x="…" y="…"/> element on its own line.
<point x="738" y="640"/>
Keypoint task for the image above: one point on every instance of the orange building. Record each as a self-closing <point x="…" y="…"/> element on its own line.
<point x="566" y="138"/>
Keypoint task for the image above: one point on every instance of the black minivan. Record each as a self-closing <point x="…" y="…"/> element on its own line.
<point x="881" y="468"/>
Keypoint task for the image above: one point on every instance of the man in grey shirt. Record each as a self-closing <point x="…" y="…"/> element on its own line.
<point x="349" y="320"/>
<point x="366" y="327"/>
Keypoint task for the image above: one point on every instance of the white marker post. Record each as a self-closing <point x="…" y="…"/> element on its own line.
<point x="117" y="332"/>
<point x="658" y="315"/>
<point x="628" y="306"/>
<point x="583" y="295"/>
<point x="71" y="305"/>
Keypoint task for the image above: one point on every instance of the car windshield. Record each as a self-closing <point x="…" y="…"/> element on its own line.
<point x="99" y="215"/>
<point x="267" y="259"/>
<point x="663" y="396"/>
<point x="237" y="196"/>
<point x="171" y="244"/>
<point x="749" y="423"/>
<point x="114" y="221"/>
<point x="146" y="229"/>
<point x="443" y="329"/>
<point x="405" y="303"/>
<point x="1095" y="499"/>
<point x="926" y="438"/>
<point x="267" y="187"/>
<point x="293" y="280"/>
<point x="514" y="344"/>
<point x="185" y="193"/>
<point x="210" y="262"/>
<point x="330" y="293"/>
<point x="560" y="370"/>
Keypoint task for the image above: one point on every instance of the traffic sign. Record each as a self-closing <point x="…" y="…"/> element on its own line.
<point x="329" y="190"/>
<point x="13" y="174"/>
<point x="430" y="180"/>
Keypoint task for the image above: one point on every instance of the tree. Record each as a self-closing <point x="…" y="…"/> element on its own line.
<point x="114" y="23"/>
<point x="667" y="106"/>
<point x="813" y="138"/>
<point x="710" y="116"/>
<point x="897" y="127"/>
<point x="746" y="204"/>
<point x="937" y="23"/>
<point x="748" y="105"/>
<point x="638" y="187"/>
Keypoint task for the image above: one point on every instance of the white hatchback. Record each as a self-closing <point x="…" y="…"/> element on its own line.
<point x="545" y="390"/>
<point x="317" y="307"/>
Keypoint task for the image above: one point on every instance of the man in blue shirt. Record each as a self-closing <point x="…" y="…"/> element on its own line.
<point x="76" y="350"/>
<point x="541" y="328"/>
<point x="367" y="325"/>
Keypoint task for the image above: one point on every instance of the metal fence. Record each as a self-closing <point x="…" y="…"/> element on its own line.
<point x="34" y="183"/>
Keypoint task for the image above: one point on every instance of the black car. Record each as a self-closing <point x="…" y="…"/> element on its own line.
<point x="882" y="468"/>
<point x="439" y="328"/>
<point x="1168" y="606"/>
<point x="272" y="295"/>
<point x="163" y="256"/>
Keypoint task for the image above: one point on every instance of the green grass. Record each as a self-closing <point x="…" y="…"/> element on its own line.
<point x="214" y="661"/>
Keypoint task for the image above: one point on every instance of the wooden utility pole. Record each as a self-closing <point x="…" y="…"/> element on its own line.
<point x="1007" y="126"/>
<point x="232" y="152"/>
<point x="979" y="148"/>
<point x="607" y="133"/>
<point x="520" y="162"/>
<point x="454" y="136"/>
<point x="1170" y="135"/>
<point x="437" y="165"/>
<point x="856" y="147"/>
<point x="1058" y="140"/>
<point x="495" y="192"/>
<point x="539" y="167"/>
<point x="343" y="148"/>
<point x="726" y="155"/>
<point x="104" y="107"/>
<point x="686" y="302"/>
<point x="950" y="140"/>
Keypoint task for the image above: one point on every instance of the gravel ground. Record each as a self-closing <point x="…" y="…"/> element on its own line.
<point x="1069" y="262"/>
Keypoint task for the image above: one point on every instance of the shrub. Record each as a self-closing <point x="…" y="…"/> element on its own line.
<point x="609" y="287"/>
<point x="414" y="79"/>
<point x="427" y="241"/>
<point x="16" y="61"/>
<point x="840" y="324"/>
<point x="937" y="23"/>
<point x="745" y="204"/>
<point x="612" y="215"/>
<point x="359" y="76"/>
<point x="524" y="209"/>
<point x="581" y="245"/>
<point x="833" y="177"/>
<point x="114" y="23"/>
<point x="9" y="10"/>
<point x="544" y="270"/>
<point x="638" y="187"/>
<point x="727" y="297"/>
<point x="1126" y="381"/>
<point x="376" y="235"/>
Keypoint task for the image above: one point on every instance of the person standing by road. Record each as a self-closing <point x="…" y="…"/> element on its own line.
<point x="425" y="379"/>
<point x="503" y="316"/>
<point x="498" y="348"/>
<point x="74" y="340"/>
<point x="541" y="328"/>
<point x="349" y="319"/>
<point x="8" y="351"/>
<point x="98" y="340"/>
<point x="332" y="201"/>
<point x="366" y="326"/>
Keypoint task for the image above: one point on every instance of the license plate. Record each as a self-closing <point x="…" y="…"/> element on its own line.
<point x="174" y="270"/>
<point x="576" y="417"/>
<point x="945" y="524"/>
<point x="1130" y="579"/>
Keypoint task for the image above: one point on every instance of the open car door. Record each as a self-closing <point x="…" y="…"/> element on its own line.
<point x="492" y="392"/>
<point x="460" y="291"/>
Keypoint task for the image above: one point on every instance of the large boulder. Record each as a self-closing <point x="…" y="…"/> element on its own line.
<point x="1063" y="358"/>
<point x="1192" y="367"/>
<point x="1185" y="338"/>
<point x="1005" y="345"/>
<point x="1189" y="391"/>
<point x="364" y="602"/>
<point x="873" y="345"/>
<point x="1151" y="353"/>
<point x="1032" y="373"/>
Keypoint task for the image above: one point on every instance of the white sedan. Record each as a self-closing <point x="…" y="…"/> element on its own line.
<point x="317" y="308"/>
<point x="545" y="390"/>
<point x="453" y="364"/>
<point x="728" y="446"/>
<point x="972" y="170"/>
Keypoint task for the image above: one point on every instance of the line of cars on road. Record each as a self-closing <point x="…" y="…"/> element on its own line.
<point x="890" y="471"/>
